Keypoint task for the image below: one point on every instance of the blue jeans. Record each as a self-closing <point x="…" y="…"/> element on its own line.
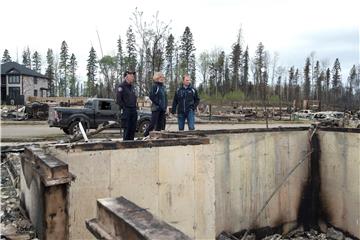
<point x="190" y="117"/>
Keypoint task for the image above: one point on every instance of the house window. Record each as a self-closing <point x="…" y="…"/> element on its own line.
<point x="35" y="80"/>
<point x="35" y="92"/>
<point x="14" y="92"/>
<point x="14" y="79"/>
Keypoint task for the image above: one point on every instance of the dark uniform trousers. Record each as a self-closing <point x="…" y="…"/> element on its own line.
<point x="128" y="122"/>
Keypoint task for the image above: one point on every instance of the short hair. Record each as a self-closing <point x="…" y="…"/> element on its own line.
<point x="186" y="75"/>
<point x="129" y="72"/>
<point x="157" y="76"/>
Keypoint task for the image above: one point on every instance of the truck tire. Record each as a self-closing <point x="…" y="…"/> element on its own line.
<point x="74" y="128"/>
<point x="66" y="131"/>
<point x="143" y="126"/>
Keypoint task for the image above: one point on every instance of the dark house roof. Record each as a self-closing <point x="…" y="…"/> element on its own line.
<point x="6" y="68"/>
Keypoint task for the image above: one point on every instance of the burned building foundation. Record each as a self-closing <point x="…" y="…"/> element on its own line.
<point x="206" y="182"/>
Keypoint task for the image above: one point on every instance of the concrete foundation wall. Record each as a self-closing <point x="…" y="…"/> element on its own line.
<point x="200" y="189"/>
<point x="249" y="167"/>
<point x="340" y="179"/>
<point x="174" y="183"/>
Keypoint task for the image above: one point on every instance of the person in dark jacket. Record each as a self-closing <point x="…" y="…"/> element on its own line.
<point x="126" y="99"/>
<point x="158" y="98"/>
<point x="185" y="101"/>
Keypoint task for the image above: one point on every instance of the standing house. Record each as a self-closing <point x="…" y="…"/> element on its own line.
<point x="19" y="82"/>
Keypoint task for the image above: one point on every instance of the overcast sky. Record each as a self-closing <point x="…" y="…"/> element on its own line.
<point x="293" y="28"/>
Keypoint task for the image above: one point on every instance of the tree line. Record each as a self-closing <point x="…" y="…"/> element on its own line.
<point x="239" y="75"/>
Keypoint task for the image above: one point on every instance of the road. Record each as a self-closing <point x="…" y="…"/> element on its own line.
<point x="26" y="131"/>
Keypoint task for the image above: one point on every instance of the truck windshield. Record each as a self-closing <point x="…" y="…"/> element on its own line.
<point x="89" y="104"/>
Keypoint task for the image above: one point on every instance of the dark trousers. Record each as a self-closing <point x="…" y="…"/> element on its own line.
<point x="158" y="122"/>
<point x="128" y="122"/>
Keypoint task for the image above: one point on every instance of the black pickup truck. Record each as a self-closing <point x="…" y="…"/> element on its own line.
<point x="96" y="111"/>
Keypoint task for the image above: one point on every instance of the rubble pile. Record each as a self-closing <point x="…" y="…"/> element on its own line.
<point x="297" y="234"/>
<point x="14" y="225"/>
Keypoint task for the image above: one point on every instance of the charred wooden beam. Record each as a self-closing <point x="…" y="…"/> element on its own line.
<point x="44" y="193"/>
<point x="118" y="218"/>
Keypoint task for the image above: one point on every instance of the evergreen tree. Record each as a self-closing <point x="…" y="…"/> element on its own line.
<point x="91" y="73"/>
<point x="291" y="82"/>
<point x="6" y="57"/>
<point x="157" y="58"/>
<point x="307" y="79"/>
<point x="327" y="85"/>
<point x="27" y="58"/>
<point x="220" y="70"/>
<point x="319" y="81"/>
<point x="50" y="71"/>
<point x="187" y="50"/>
<point x="316" y="77"/>
<point x="227" y="83"/>
<point x="192" y="69"/>
<point x="72" y="73"/>
<point x="278" y="87"/>
<point x="296" y="85"/>
<point x="235" y="66"/>
<point x="336" y="79"/>
<point x="352" y="78"/>
<point x="131" y="57"/>
<point x="120" y="66"/>
<point x="169" y="57"/>
<point x="63" y="69"/>
<point x="245" y="75"/>
<point x="36" y="62"/>
<point x="259" y="63"/>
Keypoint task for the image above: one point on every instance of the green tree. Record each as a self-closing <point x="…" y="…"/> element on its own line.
<point x="296" y="85"/>
<point x="336" y="79"/>
<point x="131" y="58"/>
<point x="36" y="62"/>
<point x="63" y="69"/>
<point x="291" y="83"/>
<point x="320" y="79"/>
<point x="245" y="75"/>
<point x="187" y="50"/>
<point x="259" y="64"/>
<point x="169" y="58"/>
<point x="50" y="71"/>
<point x="227" y="82"/>
<point x="221" y="69"/>
<point x="327" y="85"/>
<point x="192" y="69"/>
<point x="72" y="75"/>
<point x="27" y="58"/>
<point x="307" y="79"/>
<point x="120" y="66"/>
<point x="91" y="73"/>
<point x="316" y="77"/>
<point x="6" y="57"/>
<point x="235" y="66"/>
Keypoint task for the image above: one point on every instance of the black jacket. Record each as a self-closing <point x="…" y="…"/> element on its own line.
<point x="125" y="95"/>
<point x="185" y="99"/>
<point x="158" y="97"/>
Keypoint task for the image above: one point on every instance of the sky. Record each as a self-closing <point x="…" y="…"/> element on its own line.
<point x="292" y="28"/>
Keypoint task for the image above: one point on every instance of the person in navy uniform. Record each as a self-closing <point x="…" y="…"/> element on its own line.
<point x="126" y="99"/>
<point x="158" y="98"/>
<point x="185" y="102"/>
